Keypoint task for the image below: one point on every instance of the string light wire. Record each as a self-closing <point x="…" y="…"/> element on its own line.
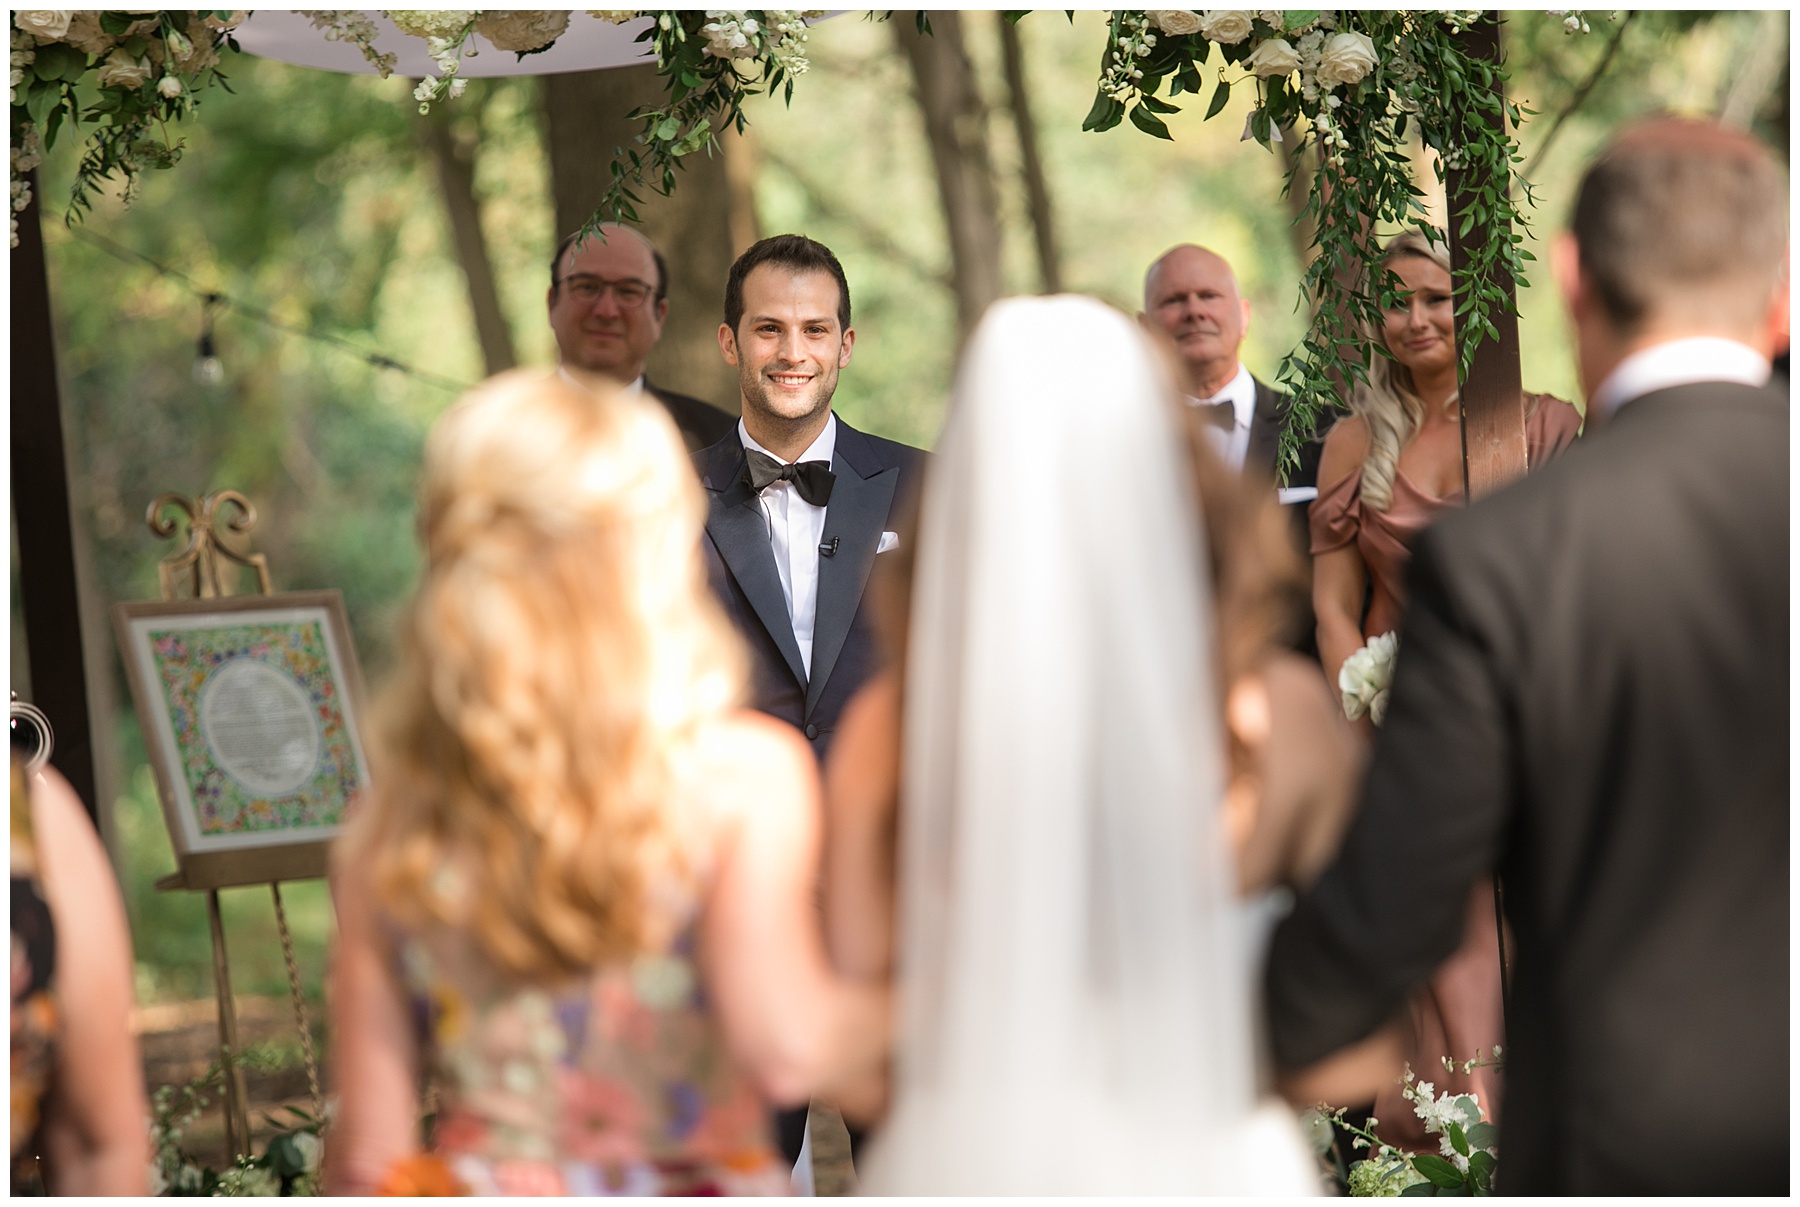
<point x="213" y="300"/>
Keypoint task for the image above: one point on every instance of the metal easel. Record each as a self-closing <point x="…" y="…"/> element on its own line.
<point x="197" y="566"/>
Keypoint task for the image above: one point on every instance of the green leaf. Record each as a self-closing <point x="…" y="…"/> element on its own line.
<point x="1104" y="115"/>
<point x="1443" y="1175"/>
<point x="667" y="129"/>
<point x="1149" y="123"/>
<point x="59" y="61"/>
<point x="1221" y="94"/>
<point x="116" y="23"/>
<point x="1483" y="1135"/>
<point x="1294" y="18"/>
<point x="1458" y="1141"/>
<point x="1158" y="105"/>
<point x="1419" y="1190"/>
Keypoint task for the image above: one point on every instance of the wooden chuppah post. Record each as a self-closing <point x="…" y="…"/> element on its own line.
<point x="48" y="595"/>
<point x="1493" y="391"/>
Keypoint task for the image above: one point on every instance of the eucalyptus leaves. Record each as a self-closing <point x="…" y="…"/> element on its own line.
<point x="1354" y="84"/>
<point x="144" y="65"/>
<point x="713" y="61"/>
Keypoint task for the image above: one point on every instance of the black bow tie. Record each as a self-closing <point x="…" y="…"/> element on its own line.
<point x="1221" y="414"/>
<point x="813" y="479"/>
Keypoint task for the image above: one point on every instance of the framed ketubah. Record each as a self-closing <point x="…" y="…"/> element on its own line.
<point x="251" y="710"/>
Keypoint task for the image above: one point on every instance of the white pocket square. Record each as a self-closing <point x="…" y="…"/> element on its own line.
<point x="889" y="540"/>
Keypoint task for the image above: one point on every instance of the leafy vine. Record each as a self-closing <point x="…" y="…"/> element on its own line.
<point x="143" y="68"/>
<point x="1352" y="85"/>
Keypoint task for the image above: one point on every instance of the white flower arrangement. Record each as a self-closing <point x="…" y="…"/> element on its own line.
<point x="522" y="31"/>
<point x="1468" y="1150"/>
<point x="1366" y="677"/>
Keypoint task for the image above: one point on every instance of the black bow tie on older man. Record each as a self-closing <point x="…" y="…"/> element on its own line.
<point x="812" y="479"/>
<point x="1221" y="413"/>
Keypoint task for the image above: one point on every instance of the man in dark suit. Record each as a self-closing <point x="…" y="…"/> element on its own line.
<point x="608" y="299"/>
<point x="800" y="504"/>
<point x="1592" y="700"/>
<point x="1191" y="298"/>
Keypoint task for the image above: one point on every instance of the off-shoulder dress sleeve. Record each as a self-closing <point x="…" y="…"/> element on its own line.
<point x="1550" y="429"/>
<point x="1335" y="516"/>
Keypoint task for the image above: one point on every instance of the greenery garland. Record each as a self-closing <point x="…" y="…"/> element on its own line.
<point x="128" y="75"/>
<point x="1351" y="85"/>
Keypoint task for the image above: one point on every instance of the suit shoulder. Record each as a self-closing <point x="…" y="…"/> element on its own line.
<point x="703" y="419"/>
<point x="888" y="452"/>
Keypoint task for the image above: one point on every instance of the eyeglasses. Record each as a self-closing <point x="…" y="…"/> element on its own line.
<point x="587" y="290"/>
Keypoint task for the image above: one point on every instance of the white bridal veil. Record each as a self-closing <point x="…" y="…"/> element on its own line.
<point x="1075" y="1012"/>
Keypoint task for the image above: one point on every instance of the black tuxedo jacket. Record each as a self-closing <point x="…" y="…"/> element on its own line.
<point x="1266" y="422"/>
<point x="1592" y="698"/>
<point x="702" y="424"/>
<point x="874" y="477"/>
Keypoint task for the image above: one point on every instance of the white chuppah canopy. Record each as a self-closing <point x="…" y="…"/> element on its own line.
<point x="588" y="43"/>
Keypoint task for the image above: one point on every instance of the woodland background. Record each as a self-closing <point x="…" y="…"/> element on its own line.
<point x="328" y="202"/>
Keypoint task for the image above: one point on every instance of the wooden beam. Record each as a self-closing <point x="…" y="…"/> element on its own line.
<point x="41" y="506"/>
<point x="1493" y="399"/>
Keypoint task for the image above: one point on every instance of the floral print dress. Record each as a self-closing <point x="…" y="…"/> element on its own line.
<point x="618" y="1085"/>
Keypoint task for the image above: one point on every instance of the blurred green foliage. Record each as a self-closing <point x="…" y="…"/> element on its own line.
<point x="307" y="194"/>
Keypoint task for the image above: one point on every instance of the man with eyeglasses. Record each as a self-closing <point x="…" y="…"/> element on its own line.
<point x="608" y="298"/>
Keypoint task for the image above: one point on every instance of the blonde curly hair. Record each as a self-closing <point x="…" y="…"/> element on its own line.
<point x="561" y="652"/>
<point x="1389" y="404"/>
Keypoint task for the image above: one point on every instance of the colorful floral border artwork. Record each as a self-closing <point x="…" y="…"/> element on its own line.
<point x="253" y="721"/>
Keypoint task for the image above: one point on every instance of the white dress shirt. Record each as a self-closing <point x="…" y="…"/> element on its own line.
<point x="795" y="529"/>
<point x="1240" y="391"/>
<point x="562" y="371"/>
<point x="1679" y="362"/>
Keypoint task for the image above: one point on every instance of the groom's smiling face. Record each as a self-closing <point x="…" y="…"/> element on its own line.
<point x="789" y="346"/>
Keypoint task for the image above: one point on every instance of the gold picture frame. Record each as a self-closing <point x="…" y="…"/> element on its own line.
<point x="251" y="712"/>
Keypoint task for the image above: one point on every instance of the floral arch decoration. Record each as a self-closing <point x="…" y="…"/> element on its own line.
<point x="1353" y="85"/>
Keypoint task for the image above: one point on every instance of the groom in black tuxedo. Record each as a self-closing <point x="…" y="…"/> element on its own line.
<point x="1592" y="699"/>
<point x="800" y="504"/>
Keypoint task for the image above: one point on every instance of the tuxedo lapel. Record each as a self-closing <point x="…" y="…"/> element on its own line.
<point x="860" y="501"/>
<point x="741" y="534"/>
<point x="1265" y="430"/>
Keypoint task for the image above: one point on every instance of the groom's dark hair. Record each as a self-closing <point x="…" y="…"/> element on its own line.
<point x="795" y="253"/>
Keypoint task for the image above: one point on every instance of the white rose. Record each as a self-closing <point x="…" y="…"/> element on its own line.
<point x="522" y="29"/>
<point x="1346" y="59"/>
<point x="1272" y="56"/>
<point x="123" y="71"/>
<point x="169" y="86"/>
<point x="1176" y="22"/>
<point x="1272" y="17"/>
<point x="309" y="1147"/>
<point x="45" y="24"/>
<point x="1226" y="26"/>
<point x="613" y="16"/>
<point x="431" y="22"/>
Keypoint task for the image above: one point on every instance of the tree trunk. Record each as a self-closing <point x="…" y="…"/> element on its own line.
<point x="1037" y="189"/>
<point x="585" y="123"/>
<point x="956" y="129"/>
<point x="454" y="154"/>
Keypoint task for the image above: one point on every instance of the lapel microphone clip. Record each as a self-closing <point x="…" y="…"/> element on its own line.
<point x="829" y="548"/>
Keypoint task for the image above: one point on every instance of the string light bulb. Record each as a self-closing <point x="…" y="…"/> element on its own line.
<point x="209" y="370"/>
